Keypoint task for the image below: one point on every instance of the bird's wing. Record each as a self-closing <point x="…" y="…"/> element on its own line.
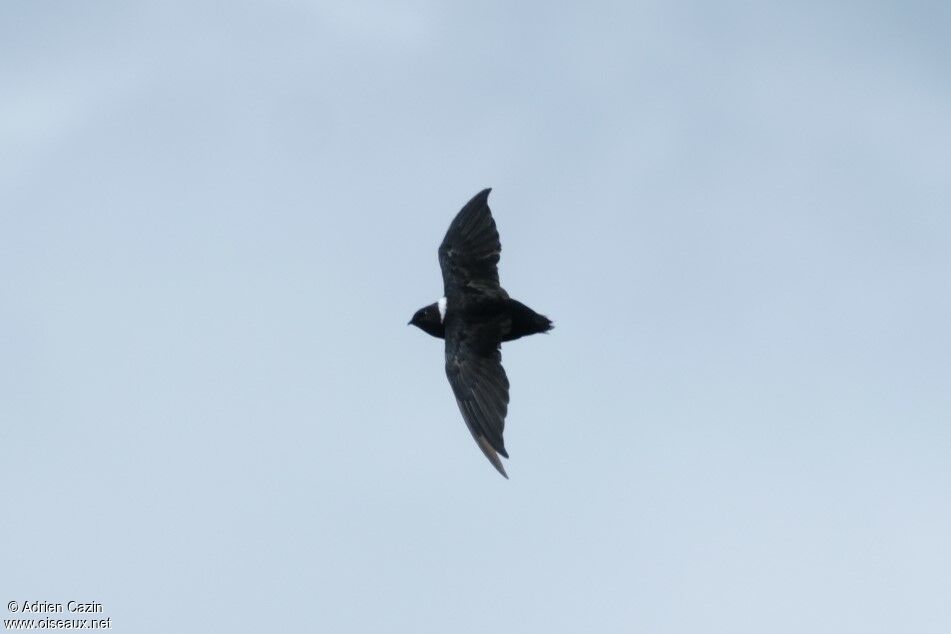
<point x="469" y="254"/>
<point x="474" y="368"/>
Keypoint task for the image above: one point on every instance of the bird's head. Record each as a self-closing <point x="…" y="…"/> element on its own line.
<point x="429" y="320"/>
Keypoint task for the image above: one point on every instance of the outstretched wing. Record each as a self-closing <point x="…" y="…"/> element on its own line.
<point x="474" y="368"/>
<point x="469" y="254"/>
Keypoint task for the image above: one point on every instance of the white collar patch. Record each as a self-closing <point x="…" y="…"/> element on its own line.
<point x="441" y="304"/>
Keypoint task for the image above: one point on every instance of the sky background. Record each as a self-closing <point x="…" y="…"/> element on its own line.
<point x="216" y="220"/>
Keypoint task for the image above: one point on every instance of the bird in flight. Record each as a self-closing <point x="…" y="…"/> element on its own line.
<point x="474" y="316"/>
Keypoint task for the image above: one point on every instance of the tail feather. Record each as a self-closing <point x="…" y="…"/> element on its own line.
<point x="526" y="321"/>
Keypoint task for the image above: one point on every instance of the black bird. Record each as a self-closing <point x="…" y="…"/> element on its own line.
<point x="475" y="316"/>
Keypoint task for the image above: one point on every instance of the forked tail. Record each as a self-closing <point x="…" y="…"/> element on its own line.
<point x="526" y="321"/>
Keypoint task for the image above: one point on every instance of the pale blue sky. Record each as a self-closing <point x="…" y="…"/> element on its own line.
<point x="216" y="219"/>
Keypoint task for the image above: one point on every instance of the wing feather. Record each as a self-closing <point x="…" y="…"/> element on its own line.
<point x="470" y="251"/>
<point x="478" y="380"/>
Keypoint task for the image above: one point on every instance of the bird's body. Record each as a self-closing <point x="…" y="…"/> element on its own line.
<point x="474" y="317"/>
<point x="515" y="319"/>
